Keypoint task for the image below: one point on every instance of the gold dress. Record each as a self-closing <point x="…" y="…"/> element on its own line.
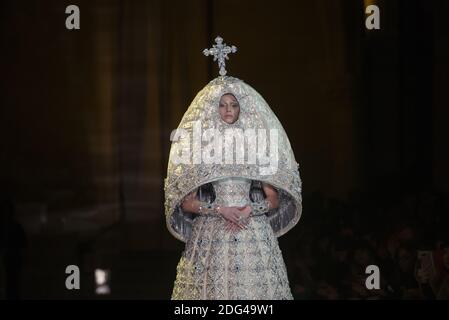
<point x="219" y="264"/>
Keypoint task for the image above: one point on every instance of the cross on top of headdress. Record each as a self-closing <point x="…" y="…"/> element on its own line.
<point x="220" y="51"/>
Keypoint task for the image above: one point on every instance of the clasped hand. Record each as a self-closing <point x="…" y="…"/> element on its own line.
<point x="237" y="217"/>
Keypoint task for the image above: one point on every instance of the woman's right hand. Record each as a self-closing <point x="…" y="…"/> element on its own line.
<point x="235" y="215"/>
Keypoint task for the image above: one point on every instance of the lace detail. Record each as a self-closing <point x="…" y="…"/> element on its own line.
<point x="260" y="207"/>
<point x="232" y="191"/>
<point x="217" y="264"/>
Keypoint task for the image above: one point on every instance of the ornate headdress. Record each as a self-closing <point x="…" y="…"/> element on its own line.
<point x="186" y="173"/>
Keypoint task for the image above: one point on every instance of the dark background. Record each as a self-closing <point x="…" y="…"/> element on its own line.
<point x="86" y="117"/>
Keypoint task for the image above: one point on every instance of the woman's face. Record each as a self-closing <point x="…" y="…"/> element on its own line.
<point x="229" y="108"/>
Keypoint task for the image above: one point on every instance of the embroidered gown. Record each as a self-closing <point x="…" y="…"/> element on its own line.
<point x="219" y="264"/>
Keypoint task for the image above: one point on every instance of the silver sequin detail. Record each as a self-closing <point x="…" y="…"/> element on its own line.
<point x="220" y="52"/>
<point x="254" y="113"/>
<point x="217" y="264"/>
